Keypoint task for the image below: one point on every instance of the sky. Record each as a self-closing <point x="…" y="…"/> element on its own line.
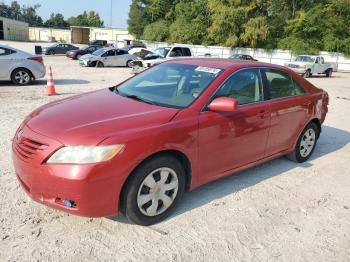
<point x="75" y="7"/>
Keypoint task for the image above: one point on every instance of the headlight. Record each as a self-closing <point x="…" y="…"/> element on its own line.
<point x="84" y="154"/>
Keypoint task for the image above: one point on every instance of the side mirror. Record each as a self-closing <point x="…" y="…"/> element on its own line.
<point x="223" y="104"/>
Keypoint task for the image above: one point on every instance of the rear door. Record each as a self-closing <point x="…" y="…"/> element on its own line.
<point x="289" y="105"/>
<point x="6" y="63"/>
<point x="122" y="57"/>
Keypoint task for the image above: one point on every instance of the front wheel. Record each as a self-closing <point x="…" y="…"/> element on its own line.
<point x="99" y="64"/>
<point x="306" y="144"/>
<point x="307" y="73"/>
<point x="130" y="63"/>
<point x="153" y="190"/>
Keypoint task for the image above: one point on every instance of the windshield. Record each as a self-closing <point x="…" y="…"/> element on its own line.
<point x="308" y="59"/>
<point x="171" y="85"/>
<point x="162" y="51"/>
<point x="99" y="52"/>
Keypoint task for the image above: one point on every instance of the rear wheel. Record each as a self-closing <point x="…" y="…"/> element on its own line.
<point x="99" y="64"/>
<point x="306" y="144"/>
<point x="21" y="76"/>
<point x="153" y="190"/>
<point x="329" y="72"/>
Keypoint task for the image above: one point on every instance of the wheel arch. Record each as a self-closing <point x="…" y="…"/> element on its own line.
<point x="318" y="124"/>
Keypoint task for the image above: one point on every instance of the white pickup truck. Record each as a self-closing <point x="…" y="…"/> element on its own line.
<point x="165" y="53"/>
<point x="307" y="65"/>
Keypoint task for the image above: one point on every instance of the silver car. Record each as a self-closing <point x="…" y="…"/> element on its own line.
<point x="108" y="57"/>
<point x="20" y="67"/>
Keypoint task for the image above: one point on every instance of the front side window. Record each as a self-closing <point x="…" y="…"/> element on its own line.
<point x="282" y="85"/>
<point x="245" y="86"/>
<point x="171" y="85"/>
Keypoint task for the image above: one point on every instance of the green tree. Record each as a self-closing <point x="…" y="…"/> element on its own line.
<point x="256" y="31"/>
<point x="56" y="20"/>
<point x="157" y="31"/>
<point x="86" y="19"/>
<point x="138" y="17"/>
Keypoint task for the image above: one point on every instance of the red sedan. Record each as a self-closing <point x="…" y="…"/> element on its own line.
<point x="137" y="147"/>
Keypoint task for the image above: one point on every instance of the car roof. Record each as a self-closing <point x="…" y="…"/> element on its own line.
<point x="221" y="63"/>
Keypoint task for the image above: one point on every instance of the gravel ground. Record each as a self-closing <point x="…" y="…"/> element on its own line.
<point x="279" y="211"/>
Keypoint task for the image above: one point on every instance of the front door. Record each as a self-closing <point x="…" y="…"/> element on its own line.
<point x="109" y="57"/>
<point x="228" y="140"/>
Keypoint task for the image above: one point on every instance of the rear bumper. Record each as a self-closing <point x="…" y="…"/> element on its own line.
<point x="39" y="71"/>
<point x="94" y="188"/>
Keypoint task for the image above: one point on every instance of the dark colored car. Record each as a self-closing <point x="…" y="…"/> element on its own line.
<point x="76" y="54"/>
<point x="242" y="57"/>
<point x="138" y="146"/>
<point x="98" y="42"/>
<point x="59" y="49"/>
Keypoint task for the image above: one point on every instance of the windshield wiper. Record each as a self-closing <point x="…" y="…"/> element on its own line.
<point x="137" y="98"/>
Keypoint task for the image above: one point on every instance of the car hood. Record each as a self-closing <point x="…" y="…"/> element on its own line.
<point x="90" y="118"/>
<point x="299" y="63"/>
<point x="87" y="57"/>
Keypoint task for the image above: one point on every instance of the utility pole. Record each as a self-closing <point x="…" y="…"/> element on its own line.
<point x="111" y="21"/>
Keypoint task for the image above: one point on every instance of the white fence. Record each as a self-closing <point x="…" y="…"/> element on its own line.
<point x="279" y="57"/>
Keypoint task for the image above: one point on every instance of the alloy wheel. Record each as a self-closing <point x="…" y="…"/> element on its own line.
<point x="22" y="77"/>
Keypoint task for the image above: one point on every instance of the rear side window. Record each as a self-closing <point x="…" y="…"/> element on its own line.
<point x="186" y="51"/>
<point x="282" y="85"/>
<point x="244" y="86"/>
<point x="5" y="51"/>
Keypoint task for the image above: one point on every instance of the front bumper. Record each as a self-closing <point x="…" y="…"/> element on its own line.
<point x="299" y="71"/>
<point x="94" y="188"/>
<point x="84" y="63"/>
<point x="71" y="55"/>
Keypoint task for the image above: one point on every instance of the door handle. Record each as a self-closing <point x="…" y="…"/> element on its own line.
<point x="263" y="113"/>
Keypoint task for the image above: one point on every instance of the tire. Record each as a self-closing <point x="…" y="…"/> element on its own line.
<point x="51" y="52"/>
<point x="329" y="72"/>
<point x="147" y="178"/>
<point x="307" y="73"/>
<point x="99" y="64"/>
<point x="129" y="64"/>
<point x="306" y="144"/>
<point x="21" y="77"/>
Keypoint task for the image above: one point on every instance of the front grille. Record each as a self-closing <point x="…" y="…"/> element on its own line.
<point x="27" y="148"/>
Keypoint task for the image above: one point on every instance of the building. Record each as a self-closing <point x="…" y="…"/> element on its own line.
<point x="44" y="34"/>
<point x="80" y="35"/>
<point x="13" y="30"/>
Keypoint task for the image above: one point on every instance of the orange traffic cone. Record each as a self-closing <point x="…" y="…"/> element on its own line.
<point x="50" y="88"/>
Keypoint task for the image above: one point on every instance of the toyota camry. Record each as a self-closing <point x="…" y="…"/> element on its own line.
<point x="137" y="147"/>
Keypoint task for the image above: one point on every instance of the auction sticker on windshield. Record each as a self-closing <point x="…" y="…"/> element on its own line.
<point x="209" y="70"/>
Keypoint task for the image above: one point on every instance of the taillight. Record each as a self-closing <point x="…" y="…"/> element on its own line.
<point x="37" y="59"/>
